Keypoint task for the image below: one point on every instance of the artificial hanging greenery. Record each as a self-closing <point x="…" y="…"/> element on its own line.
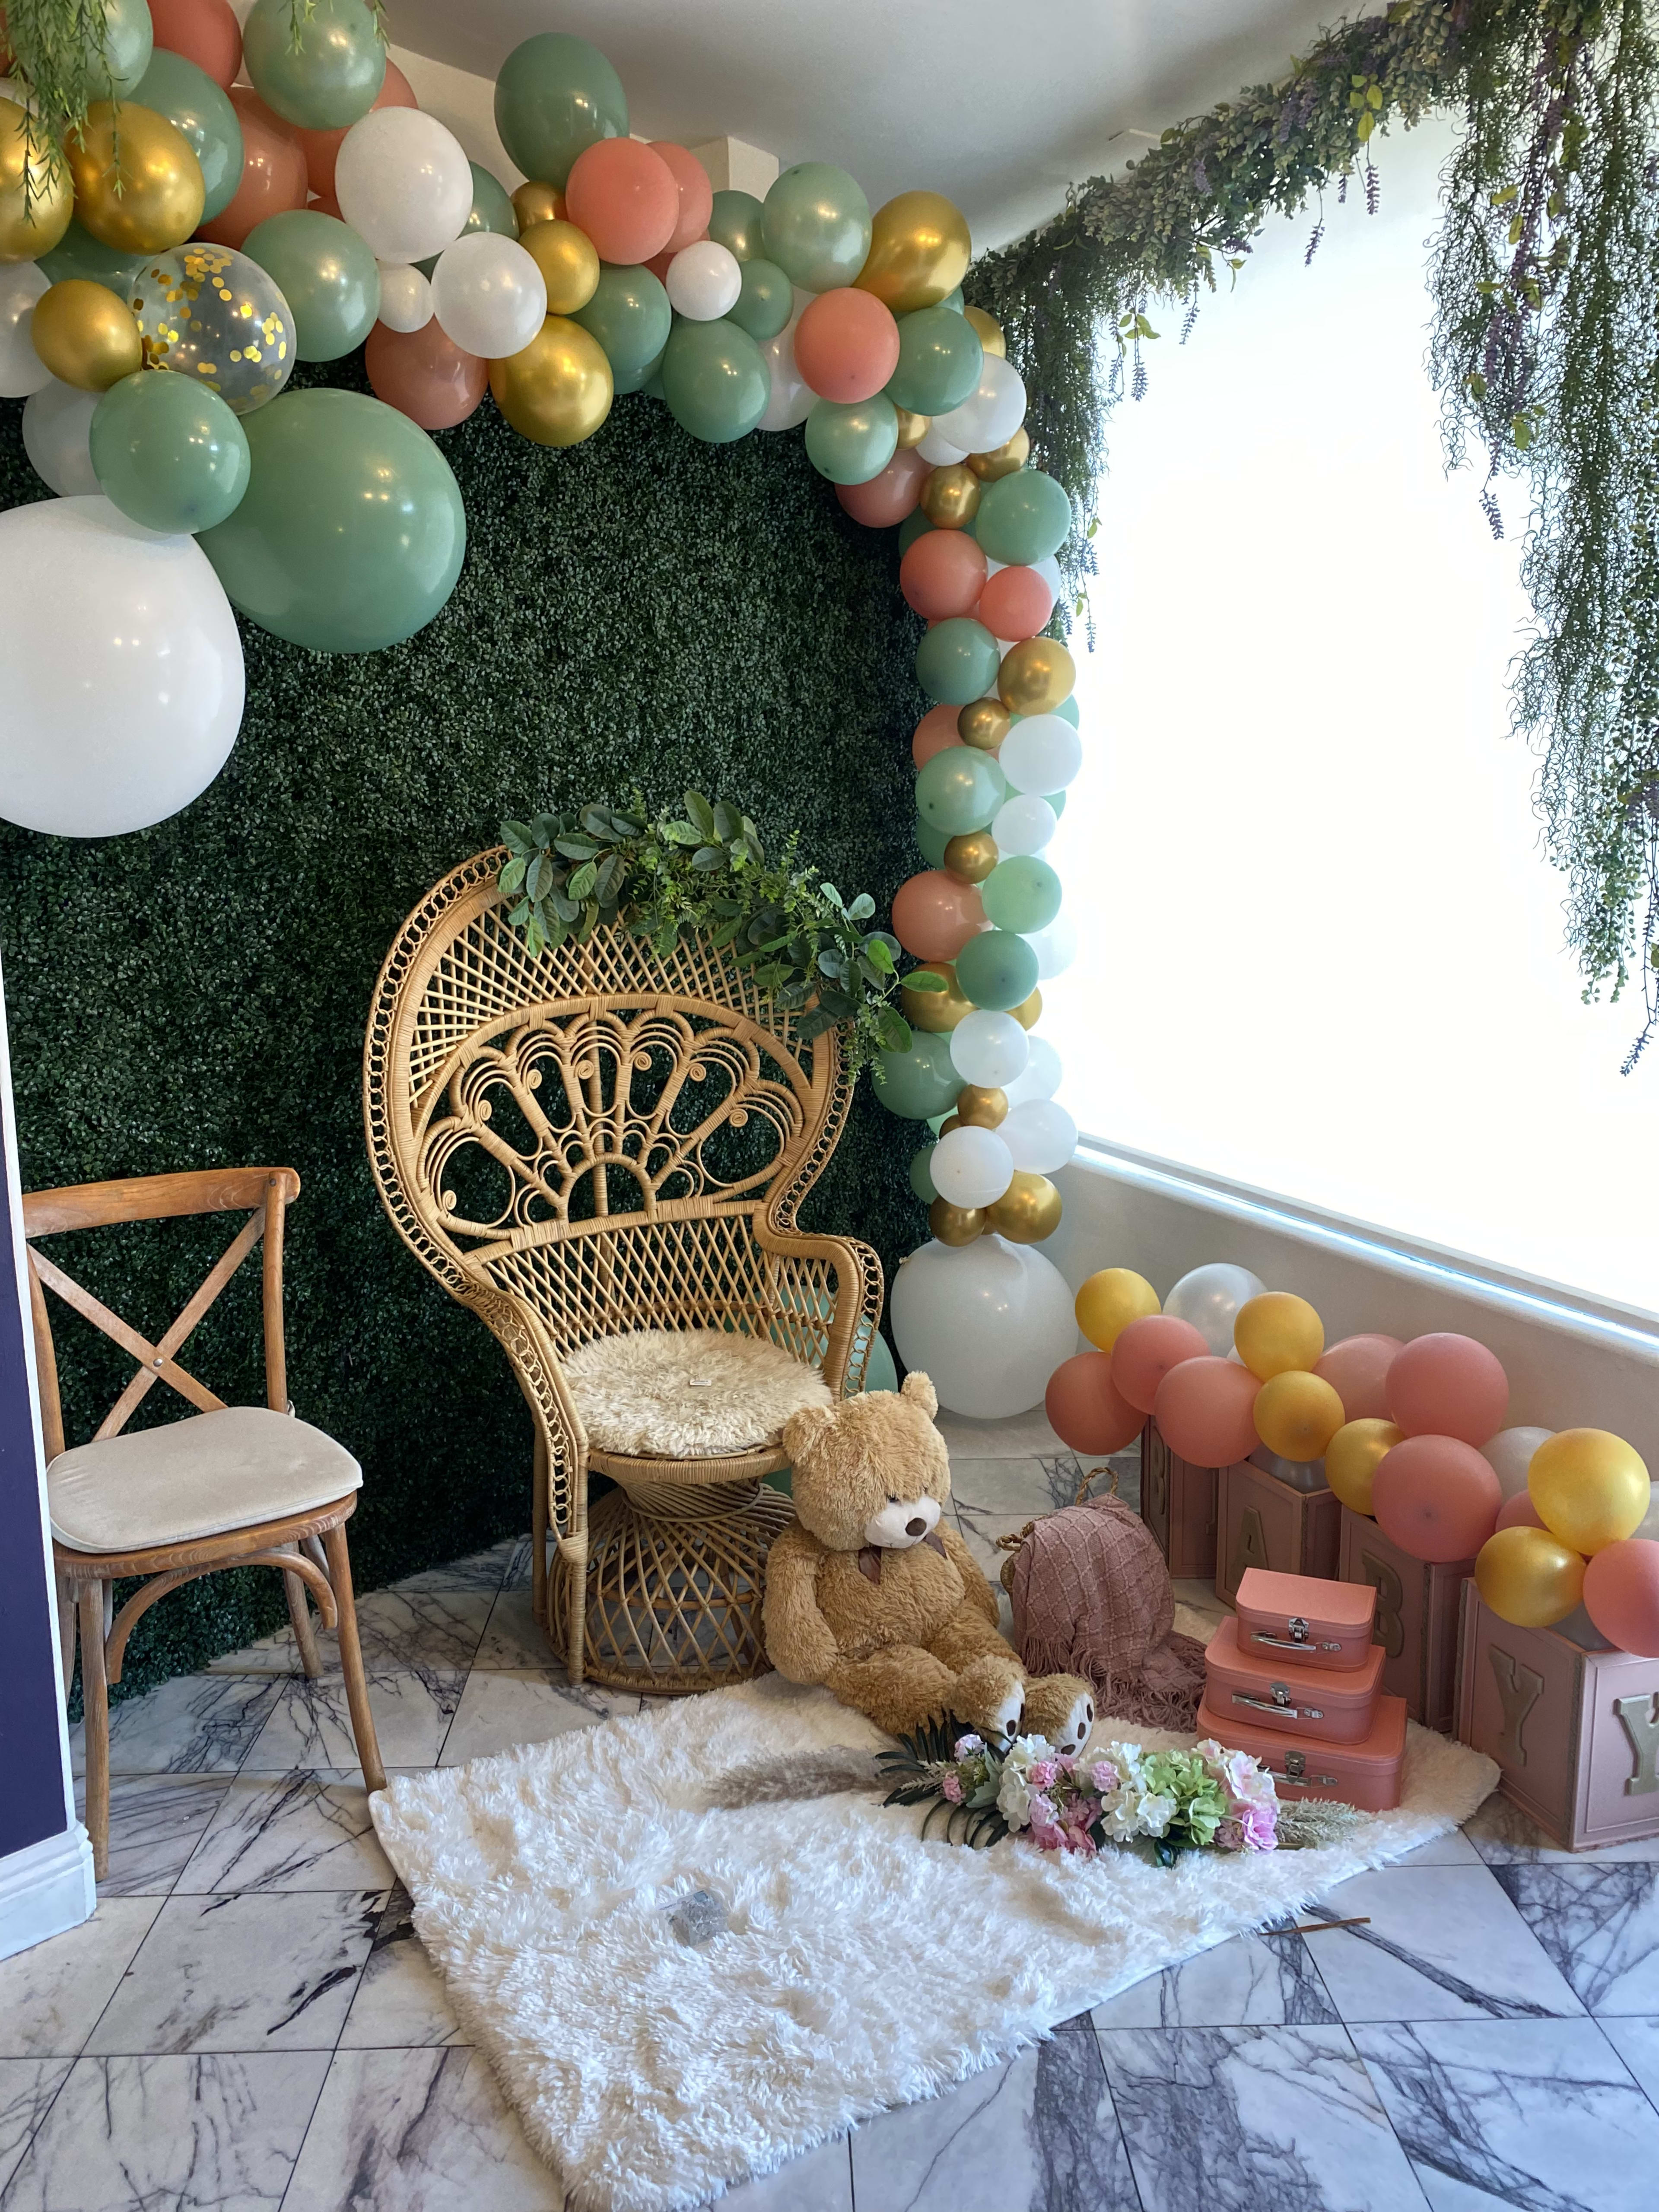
<point x="1545" y="350"/>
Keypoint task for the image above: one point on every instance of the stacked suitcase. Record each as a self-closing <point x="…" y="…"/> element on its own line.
<point x="1294" y="1678"/>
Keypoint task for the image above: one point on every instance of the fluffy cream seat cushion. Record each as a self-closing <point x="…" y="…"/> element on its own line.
<point x="688" y="1394"/>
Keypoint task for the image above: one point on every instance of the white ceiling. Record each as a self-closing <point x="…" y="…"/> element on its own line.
<point x="999" y="106"/>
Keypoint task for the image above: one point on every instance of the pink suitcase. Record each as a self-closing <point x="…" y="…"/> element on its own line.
<point x="1177" y="1503"/>
<point x="1417" y="1614"/>
<point x="1303" y="1621"/>
<point x="1263" y="1522"/>
<point x="1322" y="1704"/>
<point x="1365" y="1774"/>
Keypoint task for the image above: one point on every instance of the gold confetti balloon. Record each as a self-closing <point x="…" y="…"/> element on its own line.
<point x="215" y="316"/>
<point x="36" y="196"/>
<point x="137" y="183"/>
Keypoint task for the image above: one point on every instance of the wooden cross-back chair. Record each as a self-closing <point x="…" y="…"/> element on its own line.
<point x="593" y="1142"/>
<point x="227" y="1486"/>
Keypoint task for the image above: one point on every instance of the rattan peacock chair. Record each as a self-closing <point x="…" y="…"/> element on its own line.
<point x="593" y="1142"/>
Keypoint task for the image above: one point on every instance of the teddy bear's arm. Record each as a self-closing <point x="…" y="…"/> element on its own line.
<point x="976" y="1590"/>
<point x="799" y="1640"/>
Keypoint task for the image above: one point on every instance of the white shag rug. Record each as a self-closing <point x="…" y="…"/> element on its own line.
<point x="861" y="1968"/>
<point x="689" y="1394"/>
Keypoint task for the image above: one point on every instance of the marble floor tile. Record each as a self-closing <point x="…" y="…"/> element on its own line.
<point x="1599" y="1923"/>
<point x="50" y="1997"/>
<point x="171" y="2135"/>
<point x="519" y="1563"/>
<point x="27" y="2087"/>
<point x="1006" y="1490"/>
<point x="1636" y="2042"/>
<point x="275" y="1654"/>
<point x="401" y="1631"/>
<point x="194" y="1724"/>
<point x="1266" y="1981"/>
<point x="513" y="1639"/>
<point x="155" y="1822"/>
<point x="400" y="2002"/>
<point x="1036" y="2135"/>
<point x="479" y="1571"/>
<point x="416" y="2132"/>
<point x="1532" y="2112"/>
<point x="309" y="1725"/>
<point x="289" y="1832"/>
<point x="242" y="1973"/>
<point x="821" y="2181"/>
<point x="1452" y="1849"/>
<point x="1443" y="1943"/>
<point x="1246" y="2119"/>
<point x="1505" y="1836"/>
<point x="1018" y="1437"/>
<point x="498" y="1710"/>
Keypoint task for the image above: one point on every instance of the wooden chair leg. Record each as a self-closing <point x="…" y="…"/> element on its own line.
<point x="538" y="1487"/>
<point x="94" y="1697"/>
<point x="299" y="1613"/>
<point x="351" y="1660"/>
<point x="68" y="1603"/>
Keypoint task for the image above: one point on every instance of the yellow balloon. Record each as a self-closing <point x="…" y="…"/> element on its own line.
<point x="983" y="724"/>
<point x="1110" y="1299"/>
<point x="912" y="429"/>
<point x="983" y="1105"/>
<point x="1029" y="1012"/>
<point x="1529" y="1577"/>
<point x="36" y="195"/>
<point x="535" y="202"/>
<point x="919" y="251"/>
<point x="1353" y="1457"/>
<point x="1005" y="461"/>
<point x="955" y="1225"/>
<point x="558" y="390"/>
<point x="1027" y="1211"/>
<point x="1590" y="1487"/>
<point x="1038" y="675"/>
<point x="87" y="334"/>
<point x="158" y="201"/>
<point x="935" y="1011"/>
<point x="950" y="497"/>
<point x="971" y="857"/>
<point x="1276" y="1332"/>
<point x="569" y="263"/>
<point x="990" y="331"/>
<point x="1297" y="1415"/>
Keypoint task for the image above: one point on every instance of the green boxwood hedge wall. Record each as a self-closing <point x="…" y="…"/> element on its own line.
<point x="641" y="608"/>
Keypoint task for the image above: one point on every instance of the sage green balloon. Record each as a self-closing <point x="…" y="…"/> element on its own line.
<point x="957" y="661"/>
<point x="556" y="95"/>
<point x="923" y="1081"/>
<point x="325" y="272"/>
<point x="879" y="1372"/>
<point x="319" y="66"/>
<point x="192" y="102"/>
<point x="734" y="222"/>
<point x="714" y="380"/>
<point x="1023" y="518"/>
<point x="849" y="442"/>
<point x="1067" y="711"/>
<point x="117" y="66"/>
<point x="996" y="969"/>
<point x="921" y="1175"/>
<point x="816" y="226"/>
<point x="766" y="300"/>
<point x="958" y="790"/>
<point x="168" y="453"/>
<point x="932" y="843"/>
<point x="78" y="253"/>
<point x="1057" y="800"/>
<point x="1021" y="893"/>
<point x="939" y="360"/>
<point x="953" y="299"/>
<point x="352" y="533"/>
<point x="491" y="210"/>
<point x="914" y="525"/>
<point x="630" y="317"/>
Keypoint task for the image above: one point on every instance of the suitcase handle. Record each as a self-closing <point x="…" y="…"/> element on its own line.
<point x="1280" y="1706"/>
<point x="1288" y="1781"/>
<point x="1290" y="1642"/>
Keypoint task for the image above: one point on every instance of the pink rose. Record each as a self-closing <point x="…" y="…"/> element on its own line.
<point x="952" y="1786"/>
<point x="1104" y="1777"/>
<point x="1047" y="1836"/>
<point x="1042" y="1774"/>
<point x="1260" y="1826"/>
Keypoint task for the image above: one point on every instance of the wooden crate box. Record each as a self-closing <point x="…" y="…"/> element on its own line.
<point x="1177" y="1503"/>
<point x="1417" y="1618"/>
<point x="1264" y="1523"/>
<point x="1574" y="1733"/>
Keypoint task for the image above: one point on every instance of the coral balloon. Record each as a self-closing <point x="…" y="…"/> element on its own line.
<point x="273" y="173"/>
<point x="1145" y="1349"/>
<point x="1353" y="1457"/>
<point x="1297" y="1415"/>
<point x="697" y="193"/>
<point x="1435" y="1497"/>
<point x="1621" y="1592"/>
<point x="846" y="344"/>
<point x="321" y="148"/>
<point x="1529" y="1577"/>
<point x="935" y="731"/>
<point x="1519" y="1512"/>
<point x="1357" y="1370"/>
<point x="625" y="196"/>
<point x="934" y="915"/>
<point x="205" y="32"/>
<point x="1590" y="1487"/>
<point x="1085" y="1408"/>
<point x="148" y="198"/>
<point x="424" y="374"/>
<point x="1108" y="1300"/>
<point x="1016" y="602"/>
<point x="1447" y="1386"/>
<point x="943" y="575"/>
<point x="887" y="497"/>
<point x="1204" y="1408"/>
<point x="1276" y="1334"/>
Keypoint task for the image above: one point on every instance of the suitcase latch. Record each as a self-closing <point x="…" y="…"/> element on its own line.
<point x="1295" y="1770"/>
<point x="1298" y="1629"/>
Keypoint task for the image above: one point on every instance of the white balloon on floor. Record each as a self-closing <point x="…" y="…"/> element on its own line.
<point x="123" y="670"/>
<point x="57" y="425"/>
<point x="988" y="1322"/>
<point x="1210" y="1297"/>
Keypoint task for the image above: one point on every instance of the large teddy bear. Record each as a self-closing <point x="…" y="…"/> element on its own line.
<point x="872" y="1591"/>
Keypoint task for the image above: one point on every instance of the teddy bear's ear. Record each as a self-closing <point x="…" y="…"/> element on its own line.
<point x="800" y="1429"/>
<point x="920" y="1391"/>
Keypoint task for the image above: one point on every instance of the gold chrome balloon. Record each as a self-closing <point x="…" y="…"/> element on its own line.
<point x="919" y="251"/>
<point x="1036" y="676"/>
<point x="1529" y="1577"/>
<point x="1353" y="1457"/>
<point x="533" y="202"/>
<point x="32" y="170"/>
<point x="558" y="390"/>
<point x="569" y="266"/>
<point x="1029" y="1012"/>
<point x="1589" y="1487"/>
<point x="981" y="1106"/>
<point x="87" y="334"/>
<point x="983" y="724"/>
<point x="216" y="317"/>
<point x="971" y="857"/>
<point x="159" y="200"/>
<point x="1002" y="461"/>
<point x="935" y="1012"/>
<point x="990" y="331"/>
<point x="912" y="429"/>
<point x="955" y="1225"/>
<point x="950" y="497"/>
<point x="1028" y="1211"/>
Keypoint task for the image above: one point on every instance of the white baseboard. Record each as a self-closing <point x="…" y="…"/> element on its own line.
<point x="45" y="1889"/>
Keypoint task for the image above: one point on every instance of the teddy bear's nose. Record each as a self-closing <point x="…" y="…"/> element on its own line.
<point x="916" y="1527"/>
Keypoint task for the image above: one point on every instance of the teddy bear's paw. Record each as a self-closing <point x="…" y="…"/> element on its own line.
<point x="991" y="1692"/>
<point x="1061" y="1708"/>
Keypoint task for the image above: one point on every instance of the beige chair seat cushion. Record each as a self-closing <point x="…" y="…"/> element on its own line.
<point x="688" y="1394"/>
<point x="202" y="1476"/>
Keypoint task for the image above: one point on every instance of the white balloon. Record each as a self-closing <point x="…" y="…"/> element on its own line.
<point x="991" y="413"/>
<point x="940" y="452"/>
<point x="704" y="281"/>
<point x="1055" y="947"/>
<point x="57" y="423"/>
<point x="1508" y="1453"/>
<point x="1049" y="569"/>
<point x="799" y="302"/>
<point x="989" y="1048"/>
<point x="1040" y="1135"/>
<point x="792" y="399"/>
<point x="970" y="1166"/>
<point x="1210" y="1297"/>
<point x="488" y="295"/>
<point x="21" y="369"/>
<point x="406" y="297"/>
<point x="403" y="183"/>
<point x="1650" y="1528"/>
<point x="123" y="670"/>
<point x="1041" y="753"/>
<point x="1023" y="824"/>
<point x="1042" y="1074"/>
<point x="988" y="1322"/>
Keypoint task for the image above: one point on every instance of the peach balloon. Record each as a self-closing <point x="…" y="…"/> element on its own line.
<point x="1444" y="1385"/>
<point x="1146" y="1350"/>
<point x="321" y="147"/>
<point x="943" y="575"/>
<point x="935" y="731"/>
<point x="1357" y="1370"/>
<point x="885" y="499"/>
<point x="1621" y="1594"/>
<point x="205" y="32"/>
<point x="697" y="191"/>
<point x="934" y="915"/>
<point x="1435" y="1497"/>
<point x="273" y="172"/>
<point x="1205" y="1409"/>
<point x="424" y="374"/>
<point x="1016" y="602"/>
<point x="846" y="345"/>
<point x="625" y="196"/>
<point x="1085" y="1408"/>
<point x="1519" y="1512"/>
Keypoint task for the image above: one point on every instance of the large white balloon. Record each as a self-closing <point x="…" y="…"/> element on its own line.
<point x="56" y="424"/>
<point x="704" y="281"/>
<point x="488" y="295"/>
<point x="1650" y="1528"/>
<point x="1041" y="753"/>
<point x="1055" y="947"/>
<point x="1041" y="1136"/>
<point x="1023" y="824"/>
<point x="21" y="369"/>
<point x="940" y="451"/>
<point x="1509" y="1455"/>
<point x="406" y="297"/>
<point x="970" y="1166"/>
<point x="792" y="399"/>
<point x="989" y="1048"/>
<point x="1042" y="1076"/>
<point x="403" y="183"/>
<point x="988" y="1322"/>
<point x="991" y="413"/>
<point x="123" y="670"/>
<point x="1210" y="1298"/>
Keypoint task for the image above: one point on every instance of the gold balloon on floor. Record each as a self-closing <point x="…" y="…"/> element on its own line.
<point x="558" y="390"/>
<point x="989" y="331"/>
<point x="1005" y="461"/>
<point x="1353" y="1457"/>
<point x="919" y="251"/>
<point x="1028" y="1211"/>
<point x="36" y="195"/>
<point x="137" y="182"/>
<point x="535" y="202"/>
<point x="950" y="497"/>
<point x="955" y="1225"/>
<point x="1529" y="1577"/>
<point x="569" y="263"/>
<point x="971" y="857"/>
<point x="983" y="724"/>
<point x="935" y="1012"/>
<point x="1029" y="1012"/>
<point x="86" y="335"/>
<point x="912" y="429"/>
<point x="1035" y="676"/>
<point x="981" y="1106"/>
